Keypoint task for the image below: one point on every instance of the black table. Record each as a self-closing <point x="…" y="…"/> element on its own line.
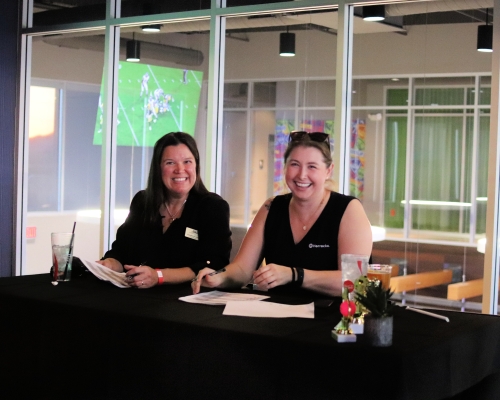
<point x="87" y="339"/>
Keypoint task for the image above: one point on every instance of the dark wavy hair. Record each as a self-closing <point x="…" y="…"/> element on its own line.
<point x="305" y="141"/>
<point x="156" y="192"/>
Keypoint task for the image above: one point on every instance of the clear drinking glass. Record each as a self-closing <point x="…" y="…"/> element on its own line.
<point x="62" y="255"/>
<point x="381" y="272"/>
<point x="353" y="266"/>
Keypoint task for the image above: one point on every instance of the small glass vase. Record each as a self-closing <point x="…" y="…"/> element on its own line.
<point x="378" y="331"/>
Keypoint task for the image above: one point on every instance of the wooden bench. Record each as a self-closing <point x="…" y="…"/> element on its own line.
<point x="465" y="290"/>
<point x="421" y="280"/>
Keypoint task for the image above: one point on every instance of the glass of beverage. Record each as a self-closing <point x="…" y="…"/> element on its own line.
<point x="62" y="255"/>
<point x="380" y="272"/>
<point x="353" y="266"/>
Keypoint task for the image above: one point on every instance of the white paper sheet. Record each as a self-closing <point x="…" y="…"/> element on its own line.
<point x="106" y="274"/>
<point x="217" y="298"/>
<point x="269" y="310"/>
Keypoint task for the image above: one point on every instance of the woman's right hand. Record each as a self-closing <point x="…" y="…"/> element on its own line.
<point x="111" y="263"/>
<point x="204" y="279"/>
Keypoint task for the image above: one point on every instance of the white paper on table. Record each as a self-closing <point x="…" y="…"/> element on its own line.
<point x="267" y="309"/>
<point x="217" y="298"/>
<point x="106" y="274"/>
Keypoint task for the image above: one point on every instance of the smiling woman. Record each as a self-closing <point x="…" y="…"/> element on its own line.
<point x="176" y="226"/>
<point x="301" y="235"/>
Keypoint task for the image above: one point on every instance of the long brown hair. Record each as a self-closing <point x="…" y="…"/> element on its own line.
<point x="156" y="192"/>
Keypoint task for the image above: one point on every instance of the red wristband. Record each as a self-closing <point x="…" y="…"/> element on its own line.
<point x="160" y="276"/>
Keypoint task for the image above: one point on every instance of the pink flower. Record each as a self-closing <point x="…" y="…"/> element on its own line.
<point x="348" y="308"/>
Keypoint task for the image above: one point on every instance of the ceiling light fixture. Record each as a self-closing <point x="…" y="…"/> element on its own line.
<point x="374" y="13"/>
<point x="287" y="44"/>
<point x="133" y="50"/>
<point x="485" y="36"/>
<point x="151" y="28"/>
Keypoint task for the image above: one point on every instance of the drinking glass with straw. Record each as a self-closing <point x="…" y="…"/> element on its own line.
<point x="70" y="252"/>
<point x="62" y="254"/>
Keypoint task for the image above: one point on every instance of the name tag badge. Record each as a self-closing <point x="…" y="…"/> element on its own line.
<point x="191" y="233"/>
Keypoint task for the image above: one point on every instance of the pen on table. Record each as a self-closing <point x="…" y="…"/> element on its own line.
<point x="219" y="271"/>
<point x="429" y="314"/>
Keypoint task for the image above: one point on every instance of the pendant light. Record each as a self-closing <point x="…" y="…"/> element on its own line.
<point x="133" y="50"/>
<point x="374" y="13"/>
<point x="287" y="44"/>
<point x="151" y="28"/>
<point x="485" y="36"/>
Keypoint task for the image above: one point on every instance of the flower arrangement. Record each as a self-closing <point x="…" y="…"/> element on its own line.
<point x="347" y="309"/>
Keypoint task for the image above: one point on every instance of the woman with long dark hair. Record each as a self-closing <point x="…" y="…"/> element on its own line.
<point x="176" y="226"/>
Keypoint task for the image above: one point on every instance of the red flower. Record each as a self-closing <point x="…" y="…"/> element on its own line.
<point x="348" y="308"/>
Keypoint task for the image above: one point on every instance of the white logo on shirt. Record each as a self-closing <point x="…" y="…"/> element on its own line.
<point x="311" y="245"/>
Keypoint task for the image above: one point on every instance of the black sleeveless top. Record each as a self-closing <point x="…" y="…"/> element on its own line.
<point x="318" y="250"/>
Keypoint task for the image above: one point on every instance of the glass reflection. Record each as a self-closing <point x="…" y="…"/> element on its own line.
<point x="63" y="110"/>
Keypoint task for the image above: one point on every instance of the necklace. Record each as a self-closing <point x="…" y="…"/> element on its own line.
<point x="173" y="217"/>
<point x="304" y="226"/>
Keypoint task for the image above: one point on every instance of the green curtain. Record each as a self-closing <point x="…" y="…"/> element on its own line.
<point x="437" y="172"/>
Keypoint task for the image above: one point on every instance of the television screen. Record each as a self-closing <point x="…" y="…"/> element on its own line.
<point x="152" y="101"/>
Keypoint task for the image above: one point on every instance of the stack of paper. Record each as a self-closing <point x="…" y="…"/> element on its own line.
<point x="106" y="274"/>
<point x="248" y="305"/>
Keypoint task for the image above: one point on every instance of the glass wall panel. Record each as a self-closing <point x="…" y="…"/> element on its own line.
<point x="49" y="12"/>
<point x="420" y="112"/>
<point x="63" y="184"/>
<point x="285" y="93"/>
<point x="165" y="91"/>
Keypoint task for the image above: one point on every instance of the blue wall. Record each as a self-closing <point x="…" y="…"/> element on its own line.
<point x="10" y="34"/>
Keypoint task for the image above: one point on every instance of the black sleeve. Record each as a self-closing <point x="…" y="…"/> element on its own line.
<point x="214" y="233"/>
<point x="126" y="241"/>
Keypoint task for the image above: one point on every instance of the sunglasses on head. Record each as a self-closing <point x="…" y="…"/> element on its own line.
<point x="314" y="136"/>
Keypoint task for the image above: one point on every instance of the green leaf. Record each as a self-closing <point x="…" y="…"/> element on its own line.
<point x="377" y="300"/>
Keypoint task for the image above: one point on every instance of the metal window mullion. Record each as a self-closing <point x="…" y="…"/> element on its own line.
<point x="110" y="102"/>
<point x="215" y="99"/>
<point x="248" y="155"/>
<point x="343" y="91"/>
<point x="22" y="156"/>
<point x="491" y="262"/>
<point x="61" y="136"/>
<point x="410" y="124"/>
<point x="296" y="116"/>
<point x="382" y="160"/>
<point x="474" y="163"/>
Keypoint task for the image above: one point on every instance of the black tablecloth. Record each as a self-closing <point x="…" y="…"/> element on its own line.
<point x="87" y="339"/>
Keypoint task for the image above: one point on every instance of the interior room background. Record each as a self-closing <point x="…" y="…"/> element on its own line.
<point x="417" y="138"/>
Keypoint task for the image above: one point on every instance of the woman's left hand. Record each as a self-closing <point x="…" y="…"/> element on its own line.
<point x="272" y="275"/>
<point x="141" y="277"/>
